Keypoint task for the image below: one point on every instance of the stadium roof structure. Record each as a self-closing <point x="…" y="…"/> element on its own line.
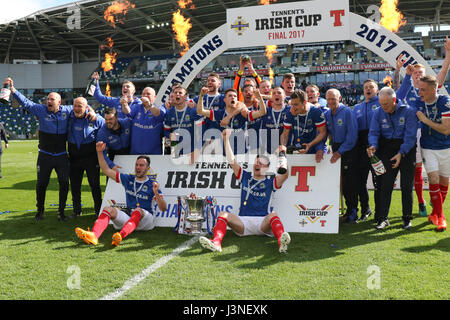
<point x="46" y="36"/>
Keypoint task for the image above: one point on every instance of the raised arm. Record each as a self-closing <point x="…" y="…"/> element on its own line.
<point x="201" y="111"/>
<point x="445" y="65"/>
<point x="153" y="109"/>
<point x="23" y="101"/>
<point x="229" y="152"/>
<point x="100" y="147"/>
<point x="262" y="106"/>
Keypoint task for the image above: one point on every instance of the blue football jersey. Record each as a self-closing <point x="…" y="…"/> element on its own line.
<point x="137" y="191"/>
<point x="304" y="127"/>
<point x="186" y="119"/>
<point x="256" y="195"/>
<point x="272" y="126"/>
<point x="146" y="130"/>
<point x="436" y="111"/>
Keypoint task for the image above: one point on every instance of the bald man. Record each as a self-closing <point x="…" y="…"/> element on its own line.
<point x="146" y="123"/>
<point x="343" y="134"/>
<point x="82" y="137"/>
<point x="53" y="124"/>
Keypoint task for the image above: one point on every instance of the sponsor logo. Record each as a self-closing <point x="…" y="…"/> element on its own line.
<point x="313" y="215"/>
<point x="240" y="26"/>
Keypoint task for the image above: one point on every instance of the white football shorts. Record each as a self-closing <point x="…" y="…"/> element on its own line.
<point x="437" y="160"/>
<point x="252" y="226"/>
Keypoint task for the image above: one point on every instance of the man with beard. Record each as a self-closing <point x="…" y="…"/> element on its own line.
<point x="307" y="124"/>
<point x="212" y="100"/>
<point x="245" y="62"/>
<point x="116" y="133"/>
<point x="140" y="191"/>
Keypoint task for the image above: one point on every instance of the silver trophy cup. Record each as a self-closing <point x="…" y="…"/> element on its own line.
<point x="195" y="213"/>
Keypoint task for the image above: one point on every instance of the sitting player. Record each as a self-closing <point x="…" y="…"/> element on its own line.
<point x="140" y="191"/>
<point x="254" y="216"/>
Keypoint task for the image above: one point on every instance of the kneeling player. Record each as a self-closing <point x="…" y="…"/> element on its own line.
<point x="140" y="191"/>
<point x="256" y="193"/>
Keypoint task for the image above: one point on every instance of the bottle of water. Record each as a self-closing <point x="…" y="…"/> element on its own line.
<point x="282" y="163"/>
<point x="377" y="165"/>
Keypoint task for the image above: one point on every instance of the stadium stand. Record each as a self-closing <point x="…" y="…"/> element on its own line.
<point x="309" y="62"/>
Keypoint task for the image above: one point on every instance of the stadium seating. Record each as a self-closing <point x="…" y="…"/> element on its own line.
<point x="17" y="122"/>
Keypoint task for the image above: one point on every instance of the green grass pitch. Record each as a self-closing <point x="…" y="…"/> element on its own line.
<point x="45" y="259"/>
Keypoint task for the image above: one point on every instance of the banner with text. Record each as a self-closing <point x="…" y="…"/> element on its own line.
<point x="307" y="202"/>
<point x="286" y="23"/>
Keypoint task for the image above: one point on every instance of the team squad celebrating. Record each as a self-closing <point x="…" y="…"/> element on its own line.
<point x="407" y="129"/>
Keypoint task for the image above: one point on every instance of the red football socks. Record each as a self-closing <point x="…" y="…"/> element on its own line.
<point x="101" y="223"/>
<point x="131" y="224"/>
<point x="418" y="185"/>
<point x="436" y="199"/>
<point x="277" y="227"/>
<point x="444" y="190"/>
<point x="219" y="230"/>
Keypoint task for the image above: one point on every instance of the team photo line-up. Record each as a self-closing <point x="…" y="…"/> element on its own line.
<point x="401" y="129"/>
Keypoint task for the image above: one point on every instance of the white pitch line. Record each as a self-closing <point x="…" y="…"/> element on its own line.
<point x="129" y="284"/>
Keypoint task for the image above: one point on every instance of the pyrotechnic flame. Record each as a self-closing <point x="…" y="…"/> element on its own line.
<point x="110" y="57"/>
<point x="181" y="27"/>
<point x="110" y="60"/>
<point x="264" y="2"/>
<point x="108" y="90"/>
<point x="183" y="4"/>
<point x="270" y="51"/>
<point x="391" y="18"/>
<point x="388" y="81"/>
<point x="115" y="12"/>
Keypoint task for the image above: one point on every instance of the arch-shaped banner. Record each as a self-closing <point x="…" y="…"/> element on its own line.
<point x="290" y="23"/>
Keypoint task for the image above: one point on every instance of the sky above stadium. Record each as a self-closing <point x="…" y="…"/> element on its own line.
<point x="16" y="9"/>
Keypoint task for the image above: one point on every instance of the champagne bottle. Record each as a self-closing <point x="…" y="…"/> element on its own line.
<point x="5" y="93"/>
<point x="377" y="165"/>
<point x="90" y="89"/>
<point x="282" y="163"/>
